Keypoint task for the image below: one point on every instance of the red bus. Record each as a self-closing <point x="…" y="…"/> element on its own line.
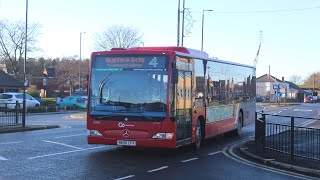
<point x="166" y="97"/>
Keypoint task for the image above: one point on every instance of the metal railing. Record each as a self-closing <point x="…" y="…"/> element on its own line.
<point x="10" y="114"/>
<point x="282" y="134"/>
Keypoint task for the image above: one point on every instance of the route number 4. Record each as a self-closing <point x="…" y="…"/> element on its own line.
<point x="153" y="62"/>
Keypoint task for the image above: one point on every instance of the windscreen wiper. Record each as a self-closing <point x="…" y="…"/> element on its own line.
<point x="101" y="85"/>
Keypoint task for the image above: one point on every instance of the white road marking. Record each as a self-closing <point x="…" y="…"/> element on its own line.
<point x="253" y="164"/>
<point x="2" y="158"/>
<point x="210" y="154"/>
<point x="303" y="110"/>
<point x="67" y="152"/>
<point x="65" y="126"/>
<point x="11" y="143"/>
<point x="70" y="136"/>
<point x="126" y="177"/>
<point x="158" y="169"/>
<point x="268" y="168"/>
<point x="62" y="144"/>
<point x="187" y="160"/>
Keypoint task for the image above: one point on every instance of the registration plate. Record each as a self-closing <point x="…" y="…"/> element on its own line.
<point x="126" y="143"/>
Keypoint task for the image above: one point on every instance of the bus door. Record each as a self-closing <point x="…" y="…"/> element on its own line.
<point x="184" y="107"/>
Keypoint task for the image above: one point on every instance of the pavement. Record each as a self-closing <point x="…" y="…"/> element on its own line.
<point x="19" y="128"/>
<point x="13" y="129"/>
<point x="280" y="160"/>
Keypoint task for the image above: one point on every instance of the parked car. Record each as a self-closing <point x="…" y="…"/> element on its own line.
<point x="83" y="94"/>
<point x="73" y="102"/>
<point x="259" y="98"/>
<point x="311" y="99"/>
<point x="8" y="100"/>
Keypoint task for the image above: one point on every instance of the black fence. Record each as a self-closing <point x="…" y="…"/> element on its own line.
<point x="286" y="135"/>
<point x="10" y="114"/>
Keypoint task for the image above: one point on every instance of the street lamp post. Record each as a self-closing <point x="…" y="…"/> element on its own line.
<point x="80" y="61"/>
<point x="202" y="26"/>
<point x="24" y="70"/>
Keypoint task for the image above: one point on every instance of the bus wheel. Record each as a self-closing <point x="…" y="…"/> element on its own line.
<point x="240" y="121"/>
<point x="198" y="135"/>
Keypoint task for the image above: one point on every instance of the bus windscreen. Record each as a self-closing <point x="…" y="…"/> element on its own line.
<point x="129" y="86"/>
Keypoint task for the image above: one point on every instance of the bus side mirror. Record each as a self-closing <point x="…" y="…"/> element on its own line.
<point x="174" y="76"/>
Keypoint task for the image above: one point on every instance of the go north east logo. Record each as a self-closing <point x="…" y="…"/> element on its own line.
<point x="122" y="125"/>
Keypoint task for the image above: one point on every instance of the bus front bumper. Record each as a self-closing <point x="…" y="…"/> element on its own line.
<point x="152" y="143"/>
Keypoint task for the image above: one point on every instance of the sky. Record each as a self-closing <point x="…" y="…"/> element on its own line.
<point x="290" y="28"/>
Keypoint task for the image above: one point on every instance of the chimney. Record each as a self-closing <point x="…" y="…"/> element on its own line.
<point x="282" y="79"/>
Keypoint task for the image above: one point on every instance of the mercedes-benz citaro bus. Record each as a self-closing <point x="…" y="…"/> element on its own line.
<point x="166" y="97"/>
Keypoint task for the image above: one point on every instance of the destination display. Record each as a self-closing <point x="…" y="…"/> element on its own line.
<point x="133" y="62"/>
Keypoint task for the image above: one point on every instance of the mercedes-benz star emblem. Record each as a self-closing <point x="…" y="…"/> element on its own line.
<point x="126" y="133"/>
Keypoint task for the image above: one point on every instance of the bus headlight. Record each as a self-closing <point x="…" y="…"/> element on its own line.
<point x="163" y="136"/>
<point x="94" y="133"/>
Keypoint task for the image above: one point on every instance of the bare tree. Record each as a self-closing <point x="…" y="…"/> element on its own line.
<point x="118" y="36"/>
<point x="313" y="79"/>
<point x="296" y="79"/>
<point x="68" y="73"/>
<point x="12" y="43"/>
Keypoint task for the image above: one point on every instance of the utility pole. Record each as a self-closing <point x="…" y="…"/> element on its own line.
<point x="178" y="25"/>
<point x="183" y="22"/>
<point x="314" y="81"/>
<point x="269" y="85"/>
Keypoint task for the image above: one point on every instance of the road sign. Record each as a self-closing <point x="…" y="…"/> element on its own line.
<point x="276" y="86"/>
<point x="279" y="93"/>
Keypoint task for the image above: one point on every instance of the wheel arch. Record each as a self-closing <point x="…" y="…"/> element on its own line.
<point x="241" y="112"/>
<point x="203" y="126"/>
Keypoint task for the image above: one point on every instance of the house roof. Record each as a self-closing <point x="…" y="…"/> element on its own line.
<point x="7" y="81"/>
<point x="267" y="78"/>
<point x="294" y="86"/>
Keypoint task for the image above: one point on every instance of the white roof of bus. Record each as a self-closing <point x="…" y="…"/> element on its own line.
<point x="212" y="59"/>
<point x="182" y="51"/>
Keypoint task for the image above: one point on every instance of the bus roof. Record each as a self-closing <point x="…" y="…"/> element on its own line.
<point x="183" y="51"/>
<point x="189" y="51"/>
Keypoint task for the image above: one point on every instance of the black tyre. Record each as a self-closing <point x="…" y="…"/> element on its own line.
<point x="240" y="123"/>
<point x="197" y="143"/>
<point x="37" y="105"/>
